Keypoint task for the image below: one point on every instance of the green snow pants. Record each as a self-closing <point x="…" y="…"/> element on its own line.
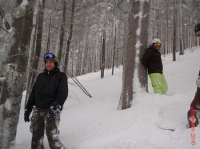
<point x="159" y="83"/>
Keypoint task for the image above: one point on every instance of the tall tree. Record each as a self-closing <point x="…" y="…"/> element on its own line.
<point x="103" y="52"/>
<point x="38" y="47"/>
<point x="181" y="28"/>
<point x="174" y="31"/>
<point x="70" y="36"/>
<point x="136" y="44"/>
<point x="62" y="30"/>
<point x="15" y="71"/>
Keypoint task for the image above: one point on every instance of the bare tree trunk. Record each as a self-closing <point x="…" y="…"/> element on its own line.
<point x="84" y="53"/>
<point x="78" y="64"/>
<point x="103" y="53"/>
<point x="167" y="27"/>
<point x="181" y="29"/>
<point x="174" y="33"/>
<point x="138" y="29"/>
<point x="49" y="37"/>
<point x="96" y="54"/>
<point x="143" y="78"/>
<point x="6" y="24"/>
<point x="14" y="77"/>
<point x="70" y="37"/>
<point x="31" y="60"/>
<point x="114" y="49"/>
<point x="33" y="73"/>
<point x="62" y="31"/>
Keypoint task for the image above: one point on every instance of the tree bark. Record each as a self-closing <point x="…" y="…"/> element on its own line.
<point x="15" y="75"/>
<point x="103" y="52"/>
<point x="114" y="49"/>
<point x="174" y="33"/>
<point x="33" y="72"/>
<point x="70" y="37"/>
<point x="62" y="30"/>
<point x="49" y="37"/>
<point x="6" y="24"/>
<point x="136" y="44"/>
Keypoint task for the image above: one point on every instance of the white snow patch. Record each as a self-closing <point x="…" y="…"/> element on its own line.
<point x="136" y="85"/>
<point x="8" y="105"/>
<point x="24" y="3"/>
<point x="137" y="46"/>
<point x="2" y="79"/>
<point x="138" y="31"/>
<point x="10" y="30"/>
<point x="95" y="123"/>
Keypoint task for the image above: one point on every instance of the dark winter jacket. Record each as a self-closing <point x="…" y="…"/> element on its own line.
<point x="152" y="60"/>
<point x="49" y="87"/>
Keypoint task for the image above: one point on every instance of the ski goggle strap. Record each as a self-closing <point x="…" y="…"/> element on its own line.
<point x="51" y="56"/>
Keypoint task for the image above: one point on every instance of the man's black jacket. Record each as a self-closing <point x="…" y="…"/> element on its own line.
<point x="152" y="61"/>
<point x="49" y="87"/>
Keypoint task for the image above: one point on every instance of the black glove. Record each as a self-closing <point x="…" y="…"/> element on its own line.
<point x="192" y="118"/>
<point x="26" y="115"/>
<point x="54" y="109"/>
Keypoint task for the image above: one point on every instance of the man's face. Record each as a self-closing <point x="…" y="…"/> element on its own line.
<point x="157" y="46"/>
<point x="49" y="64"/>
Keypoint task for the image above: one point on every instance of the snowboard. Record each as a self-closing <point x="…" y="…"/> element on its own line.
<point x="169" y="119"/>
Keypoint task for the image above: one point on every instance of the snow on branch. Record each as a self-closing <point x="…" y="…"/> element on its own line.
<point x="2" y="79"/>
<point x="24" y="3"/>
<point x="21" y="10"/>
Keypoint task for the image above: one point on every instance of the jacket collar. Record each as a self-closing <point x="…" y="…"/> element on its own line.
<point x="56" y="69"/>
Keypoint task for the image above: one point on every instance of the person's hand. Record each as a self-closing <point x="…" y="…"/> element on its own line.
<point x="26" y="115"/>
<point x="198" y="82"/>
<point x="54" y="109"/>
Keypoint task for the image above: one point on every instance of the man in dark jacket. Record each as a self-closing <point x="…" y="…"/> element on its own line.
<point x="194" y="112"/>
<point x="46" y="100"/>
<point x="153" y="62"/>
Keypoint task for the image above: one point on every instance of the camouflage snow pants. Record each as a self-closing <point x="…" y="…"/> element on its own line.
<point x="38" y="126"/>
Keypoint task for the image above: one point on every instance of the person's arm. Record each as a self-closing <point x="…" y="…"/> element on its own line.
<point x="62" y="90"/>
<point x="145" y="58"/>
<point x="31" y="100"/>
<point x="29" y="105"/>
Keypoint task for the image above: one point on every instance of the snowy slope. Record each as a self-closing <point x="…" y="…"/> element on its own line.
<point x="95" y="123"/>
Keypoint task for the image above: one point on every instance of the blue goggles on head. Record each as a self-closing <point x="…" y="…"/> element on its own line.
<point x="51" y="56"/>
<point x="48" y="55"/>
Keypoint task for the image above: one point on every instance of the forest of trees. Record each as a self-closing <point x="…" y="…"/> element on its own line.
<point x="87" y="36"/>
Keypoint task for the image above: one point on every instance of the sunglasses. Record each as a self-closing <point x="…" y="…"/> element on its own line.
<point x="157" y="44"/>
<point x="197" y="33"/>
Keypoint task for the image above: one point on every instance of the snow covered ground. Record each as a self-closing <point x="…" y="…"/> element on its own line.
<point x="95" y="123"/>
